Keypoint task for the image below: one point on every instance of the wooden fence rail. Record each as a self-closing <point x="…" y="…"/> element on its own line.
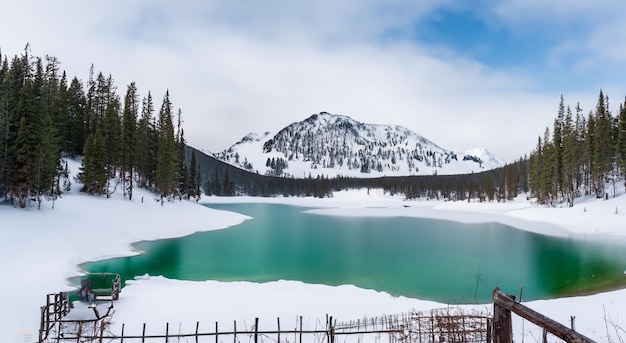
<point x="504" y="304"/>
<point x="447" y="325"/>
<point x="440" y="325"/>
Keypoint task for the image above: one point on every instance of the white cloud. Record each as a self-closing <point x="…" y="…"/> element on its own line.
<point x="235" y="67"/>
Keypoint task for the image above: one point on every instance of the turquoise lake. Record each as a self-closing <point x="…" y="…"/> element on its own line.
<point x="439" y="260"/>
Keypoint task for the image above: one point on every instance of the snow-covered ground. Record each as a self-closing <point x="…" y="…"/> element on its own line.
<point x="40" y="249"/>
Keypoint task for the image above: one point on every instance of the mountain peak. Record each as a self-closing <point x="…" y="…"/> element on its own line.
<point x="331" y="145"/>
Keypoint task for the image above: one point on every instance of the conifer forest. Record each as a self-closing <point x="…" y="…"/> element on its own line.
<point x="46" y="114"/>
<point x="127" y="140"/>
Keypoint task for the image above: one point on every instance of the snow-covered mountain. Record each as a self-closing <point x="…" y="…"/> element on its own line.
<point x="332" y="145"/>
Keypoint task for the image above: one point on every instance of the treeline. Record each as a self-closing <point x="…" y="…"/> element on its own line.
<point x="583" y="155"/>
<point x="501" y="184"/>
<point x="42" y="114"/>
<point x="126" y="142"/>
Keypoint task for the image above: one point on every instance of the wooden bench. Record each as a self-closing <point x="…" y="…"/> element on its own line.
<point x="103" y="286"/>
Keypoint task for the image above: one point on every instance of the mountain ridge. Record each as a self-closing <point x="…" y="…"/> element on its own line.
<point x="332" y="145"/>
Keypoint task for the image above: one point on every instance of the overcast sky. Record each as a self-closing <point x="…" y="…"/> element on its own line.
<point x="464" y="73"/>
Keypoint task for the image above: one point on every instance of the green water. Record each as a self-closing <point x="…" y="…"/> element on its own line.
<point x="422" y="258"/>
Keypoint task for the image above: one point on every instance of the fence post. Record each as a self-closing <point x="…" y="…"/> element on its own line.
<point x="167" y="331"/>
<point x="502" y="321"/>
<point x="216" y="334"/>
<point x="143" y="333"/>
<point x="80" y="331"/>
<point x="101" y="330"/>
<point x="41" y="325"/>
<point x="197" y="325"/>
<point x="122" y="335"/>
<point x="508" y="304"/>
<point x="256" y="330"/>
<point x="278" y="322"/>
<point x="301" y="329"/>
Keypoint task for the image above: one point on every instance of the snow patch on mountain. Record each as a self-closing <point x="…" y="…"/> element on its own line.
<point x="336" y="145"/>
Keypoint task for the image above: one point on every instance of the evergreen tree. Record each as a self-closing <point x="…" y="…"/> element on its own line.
<point x="76" y="130"/>
<point x="548" y="168"/>
<point x="146" y="143"/>
<point x="523" y="174"/>
<point x="4" y="127"/>
<point x="184" y="184"/>
<point x="604" y="145"/>
<point x="588" y="152"/>
<point x="194" y="182"/>
<point x="93" y="173"/>
<point x="25" y="146"/>
<point x="535" y="164"/>
<point x="166" y="160"/>
<point x="621" y="140"/>
<point x="129" y="139"/>
<point x="569" y="158"/>
<point x="557" y="144"/>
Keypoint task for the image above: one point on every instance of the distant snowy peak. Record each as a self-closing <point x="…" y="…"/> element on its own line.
<point x="332" y="145"/>
<point x="252" y="137"/>
<point x="485" y="156"/>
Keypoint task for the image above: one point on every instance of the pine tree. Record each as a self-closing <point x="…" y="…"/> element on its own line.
<point x="4" y="127"/>
<point x="546" y="177"/>
<point x="184" y="184"/>
<point x="587" y="154"/>
<point x="76" y="130"/>
<point x="25" y="146"/>
<point x="166" y="161"/>
<point x="557" y="143"/>
<point x="146" y="143"/>
<point x="604" y="145"/>
<point x="621" y="140"/>
<point x="569" y="158"/>
<point x="93" y="173"/>
<point x="129" y="139"/>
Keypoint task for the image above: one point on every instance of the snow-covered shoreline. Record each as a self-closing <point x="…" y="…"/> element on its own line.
<point x="40" y="249"/>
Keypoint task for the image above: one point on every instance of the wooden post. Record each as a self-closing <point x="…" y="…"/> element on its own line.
<point x="197" y="325"/>
<point x="143" y="333"/>
<point x="278" y="322"/>
<point x="502" y="321"/>
<point x="216" y="334"/>
<point x="101" y="330"/>
<point x="235" y="331"/>
<point x="256" y="330"/>
<point x="506" y="303"/>
<point x="301" y="329"/>
<point x="489" y="333"/>
<point x="122" y="335"/>
<point x="41" y="324"/>
<point x="80" y="331"/>
<point x="167" y="331"/>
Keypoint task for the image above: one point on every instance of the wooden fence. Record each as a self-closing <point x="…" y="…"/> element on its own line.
<point x="57" y="306"/>
<point x="504" y="304"/>
<point x="55" y="326"/>
<point x="442" y="325"/>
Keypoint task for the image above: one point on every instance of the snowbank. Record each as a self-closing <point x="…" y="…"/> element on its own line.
<point x="40" y="249"/>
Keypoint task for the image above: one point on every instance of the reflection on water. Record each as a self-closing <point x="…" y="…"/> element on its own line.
<point x="428" y="259"/>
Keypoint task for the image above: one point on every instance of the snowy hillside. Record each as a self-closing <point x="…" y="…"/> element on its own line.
<point x="332" y="145"/>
